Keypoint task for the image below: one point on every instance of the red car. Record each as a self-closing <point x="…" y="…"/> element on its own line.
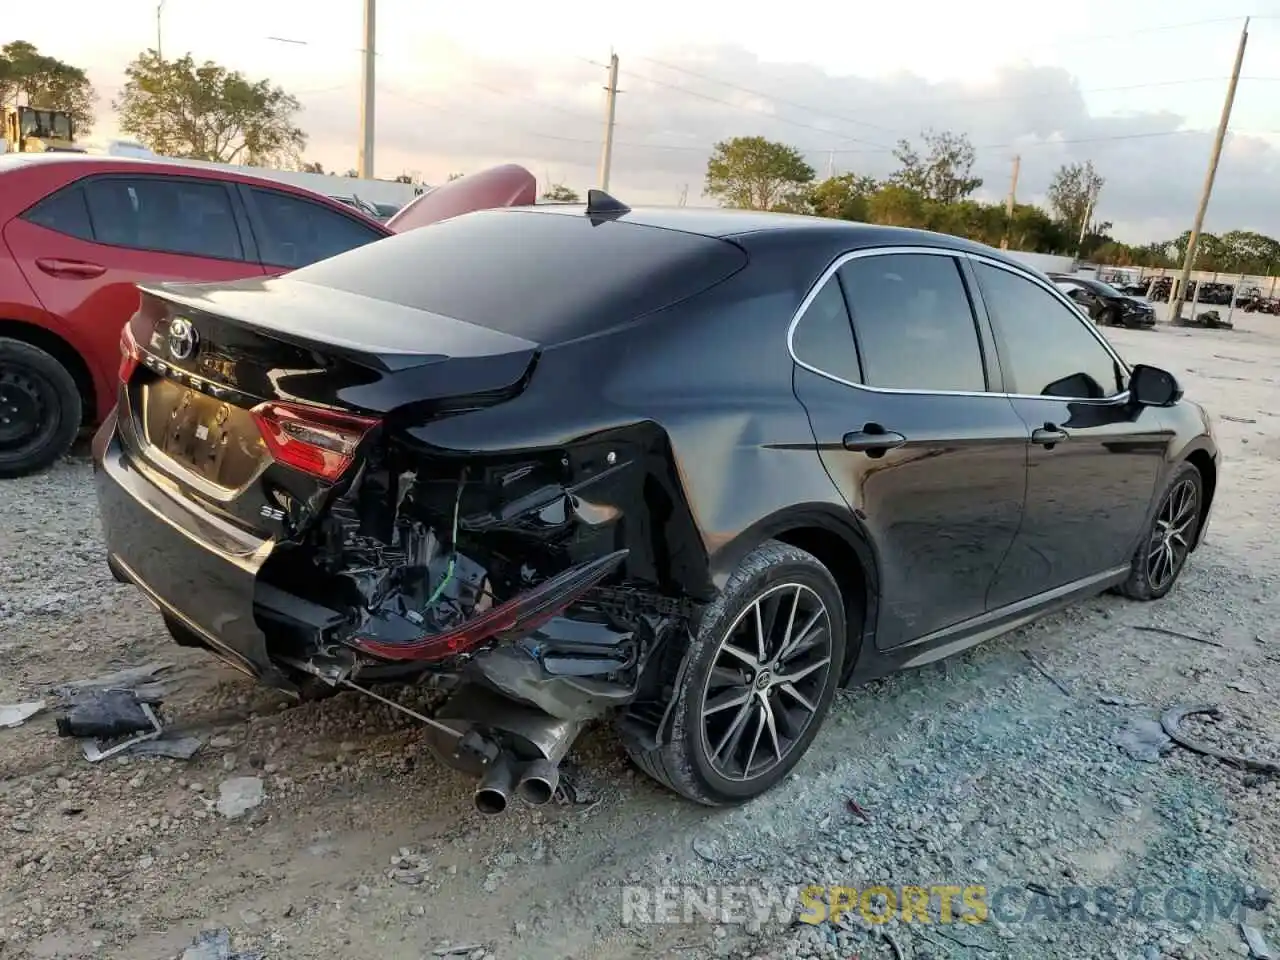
<point x="78" y="232"/>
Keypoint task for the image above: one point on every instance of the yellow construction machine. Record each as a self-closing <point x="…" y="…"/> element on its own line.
<point x="35" y="130"/>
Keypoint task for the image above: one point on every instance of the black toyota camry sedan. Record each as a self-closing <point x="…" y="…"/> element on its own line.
<point x="1104" y="303"/>
<point x="687" y="471"/>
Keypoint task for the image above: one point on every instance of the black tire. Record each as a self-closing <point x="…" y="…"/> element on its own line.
<point x="1108" y="317"/>
<point x="1149" y="579"/>
<point x="780" y="576"/>
<point x="40" y="409"/>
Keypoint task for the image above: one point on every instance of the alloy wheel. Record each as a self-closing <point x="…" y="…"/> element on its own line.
<point x="766" y="681"/>
<point x="1171" y="535"/>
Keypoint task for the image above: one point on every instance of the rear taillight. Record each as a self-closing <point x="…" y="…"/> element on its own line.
<point x="130" y="356"/>
<point x="316" y="441"/>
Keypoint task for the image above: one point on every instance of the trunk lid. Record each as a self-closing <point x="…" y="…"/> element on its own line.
<point x="256" y="397"/>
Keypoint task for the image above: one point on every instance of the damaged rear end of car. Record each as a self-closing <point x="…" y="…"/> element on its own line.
<point x="270" y="482"/>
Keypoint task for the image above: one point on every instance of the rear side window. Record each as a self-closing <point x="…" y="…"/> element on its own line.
<point x="65" y="212"/>
<point x="167" y="215"/>
<point x="823" y="339"/>
<point x="297" y="232"/>
<point x="545" y="277"/>
<point x="914" y="324"/>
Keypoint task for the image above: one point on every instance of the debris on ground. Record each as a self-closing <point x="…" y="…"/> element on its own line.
<point x="1039" y="668"/>
<point x="16" y="714"/>
<point x="215" y="945"/>
<point x="239" y="795"/>
<point x="1178" y="633"/>
<point x="1143" y="740"/>
<point x="141" y="680"/>
<point x="1258" y="948"/>
<point x="105" y="715"/>
<point x="1172" y="719"/>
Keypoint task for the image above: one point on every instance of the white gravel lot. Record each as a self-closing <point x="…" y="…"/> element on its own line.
<point x="974" y="771"/>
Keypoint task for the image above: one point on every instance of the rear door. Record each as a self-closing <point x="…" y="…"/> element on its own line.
<point x="1094" y="458"/>
<point x="912" y="428"/>
<point x="84" y="247"/>
<point x="293" y="231"/>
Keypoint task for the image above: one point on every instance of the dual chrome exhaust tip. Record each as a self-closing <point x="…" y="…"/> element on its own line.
<point x="534" y="782"/>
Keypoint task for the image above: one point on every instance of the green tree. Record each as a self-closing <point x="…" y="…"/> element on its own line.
<point x="898" y="206"/>
<point x="316" y="167"/>
<point x="1071" y="192"/>
<point x="753" y="173"/>
<point x="456" y="176"/>
<point x="943" y="172"/>
<point x="207" y="112"/>
<point x="404" y="178"/>
<point x="26" y="73"/>
<point x="559" y="193"/>
<point x="842" y="198"/>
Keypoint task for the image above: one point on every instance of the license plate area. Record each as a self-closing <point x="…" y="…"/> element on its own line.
<point x="207" y="436"/>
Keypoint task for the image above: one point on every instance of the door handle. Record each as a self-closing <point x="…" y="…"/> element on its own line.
<point x="873" y="440"/>
<point x="1048" y="435"/>
<point x="57" y="267"/>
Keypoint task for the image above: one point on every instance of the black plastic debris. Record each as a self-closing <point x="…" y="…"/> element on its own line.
<point x="104" y="715"/>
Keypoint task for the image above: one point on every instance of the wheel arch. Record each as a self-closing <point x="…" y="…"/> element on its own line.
<point x="51" y="343"/>
<point x="836" y="539"/>
<point x="1204" y="462"/>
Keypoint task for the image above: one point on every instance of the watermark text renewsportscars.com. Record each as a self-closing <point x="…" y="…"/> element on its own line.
<point x="931" y="904"/>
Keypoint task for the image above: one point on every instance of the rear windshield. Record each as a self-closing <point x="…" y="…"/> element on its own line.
<point x="545" y="277"/>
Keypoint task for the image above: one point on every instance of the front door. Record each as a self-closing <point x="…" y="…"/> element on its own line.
<point x="1093" y="458"/>
<point x="891" y="369"/>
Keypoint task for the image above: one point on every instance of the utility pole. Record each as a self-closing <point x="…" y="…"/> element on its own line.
<point x="1008" y="207"/>
<point x="1180" y="284"/>
<point x="365" y="166"/>
<point x="159" y="11"/>
<point x="611" y="110"/>
<point x="1084" y="224"/>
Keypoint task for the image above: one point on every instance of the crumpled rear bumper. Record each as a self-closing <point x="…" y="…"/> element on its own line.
<point x="197" y="569"/>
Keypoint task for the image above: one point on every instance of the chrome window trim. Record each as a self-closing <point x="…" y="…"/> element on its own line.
<point x="844" y="258"/>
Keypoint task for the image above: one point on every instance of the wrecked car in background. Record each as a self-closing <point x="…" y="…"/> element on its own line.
<point x="582" y="462"/>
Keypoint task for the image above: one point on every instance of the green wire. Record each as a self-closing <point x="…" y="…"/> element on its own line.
<point x="448" y="573"/>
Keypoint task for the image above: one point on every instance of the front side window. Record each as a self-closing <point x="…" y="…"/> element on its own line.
<point x="914" y="325"/>
<point x="167" y="215"/>
<point x="823" y="339"/>
<point x="1046" y="349"/>
<point x="299" y="232"/>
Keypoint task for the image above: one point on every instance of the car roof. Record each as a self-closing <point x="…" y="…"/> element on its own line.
<point x="730" y="224"/>
<point x="165" y="166"/>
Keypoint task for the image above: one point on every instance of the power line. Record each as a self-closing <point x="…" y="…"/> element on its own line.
<point x="750" y="109"/>
<point x="768" y="96"/>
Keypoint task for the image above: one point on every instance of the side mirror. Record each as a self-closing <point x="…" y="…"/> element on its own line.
<point x="1153" y="387"/>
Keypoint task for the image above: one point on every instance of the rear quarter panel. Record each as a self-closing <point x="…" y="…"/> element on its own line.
<point x="700" y="396"/>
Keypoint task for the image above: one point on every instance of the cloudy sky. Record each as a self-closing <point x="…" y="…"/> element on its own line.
<point x="1136" y="86"/>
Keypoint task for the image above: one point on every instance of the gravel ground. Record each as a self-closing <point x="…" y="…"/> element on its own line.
<point x="978" y="771"/>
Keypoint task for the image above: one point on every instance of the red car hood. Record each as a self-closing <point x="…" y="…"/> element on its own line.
<point x="509" y="185"/>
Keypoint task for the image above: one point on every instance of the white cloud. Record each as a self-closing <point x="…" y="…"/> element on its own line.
<point x="671" y="112"/>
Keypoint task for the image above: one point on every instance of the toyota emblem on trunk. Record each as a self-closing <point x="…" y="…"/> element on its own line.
<point x="182" y="338"/>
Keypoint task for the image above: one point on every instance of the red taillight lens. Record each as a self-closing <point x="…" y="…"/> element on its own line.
<point x="311" y="439"/>
<point x="129" y="354"/>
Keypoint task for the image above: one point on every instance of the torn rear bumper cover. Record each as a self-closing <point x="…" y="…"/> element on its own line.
<point x="169" y="550"/>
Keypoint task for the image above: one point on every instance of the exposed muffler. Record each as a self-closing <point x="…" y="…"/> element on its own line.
<point x="536" y="742"/>
<point x="497" y="785"/>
